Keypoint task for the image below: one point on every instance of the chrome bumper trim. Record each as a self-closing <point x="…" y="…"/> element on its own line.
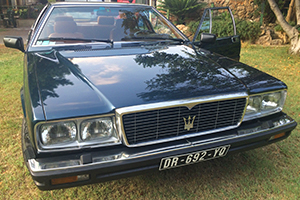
<point x="37" y="167"/>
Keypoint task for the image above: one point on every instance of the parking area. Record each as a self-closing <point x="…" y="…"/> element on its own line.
<point x="23" y="27"/>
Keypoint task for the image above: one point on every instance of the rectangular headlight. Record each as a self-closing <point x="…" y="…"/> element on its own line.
<point x="54" y="134"/>
<point x="100" y="130"/>
<point x="77" y="133"/>
<point x="265" y="104"/>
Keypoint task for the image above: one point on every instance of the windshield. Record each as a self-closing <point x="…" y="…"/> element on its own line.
<point x="105" y="24"/>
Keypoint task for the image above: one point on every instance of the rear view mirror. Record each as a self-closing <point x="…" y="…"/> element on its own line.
<point x="14" y="42"/>
<point x="208" y="38"/>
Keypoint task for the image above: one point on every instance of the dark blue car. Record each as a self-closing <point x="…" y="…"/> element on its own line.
<point x="114" y="90"/>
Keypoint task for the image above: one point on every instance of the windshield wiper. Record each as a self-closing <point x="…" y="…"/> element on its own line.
<point x="76" y="39"/>
<point x="158" y="38"/>
<point x="72" y="47"/>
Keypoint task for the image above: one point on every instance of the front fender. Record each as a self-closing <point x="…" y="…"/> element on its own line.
<point x="22" y="101"/>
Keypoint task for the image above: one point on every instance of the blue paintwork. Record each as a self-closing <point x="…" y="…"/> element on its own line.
<point x="73" y="84"/>
<point x="255" y="80"/>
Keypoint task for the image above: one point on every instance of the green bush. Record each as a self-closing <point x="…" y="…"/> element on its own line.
<point x="193" y="25"/>
<point x="181" y="9"/>
<point x="31" y="12"/>
<point x="23" y="13"/>
<point x="248" y="31"/>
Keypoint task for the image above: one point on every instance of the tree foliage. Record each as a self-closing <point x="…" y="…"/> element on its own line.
<point x="290" y="30"/>
<point x="184" y="74"/>
<point x="268" y="15"/>
<point x="181" y="9"/>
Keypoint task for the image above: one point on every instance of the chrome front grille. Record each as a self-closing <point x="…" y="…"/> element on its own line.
<point x="166" y="123"/>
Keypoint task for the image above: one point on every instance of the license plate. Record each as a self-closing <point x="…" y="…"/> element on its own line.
<point x="191" y="158"/>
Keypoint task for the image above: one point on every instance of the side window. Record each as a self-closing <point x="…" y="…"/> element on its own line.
<point x="218" y="21"/>
<point x="221" y="23"/>
<point x="141" y="22"/>
<point x="154" y="22"/>
<point x="205" y="28"/>
<point x="159" y="26"/>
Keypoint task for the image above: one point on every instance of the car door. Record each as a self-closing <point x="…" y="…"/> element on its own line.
<point x="217" y="33"/>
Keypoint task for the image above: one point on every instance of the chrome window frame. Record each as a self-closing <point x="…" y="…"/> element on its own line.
<point x="46" y="17"/>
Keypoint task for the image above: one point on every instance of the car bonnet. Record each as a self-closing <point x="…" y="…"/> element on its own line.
<point x="84" y="83"/>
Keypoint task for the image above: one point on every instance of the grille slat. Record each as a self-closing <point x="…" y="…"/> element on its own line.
<point x="148" y="126"/>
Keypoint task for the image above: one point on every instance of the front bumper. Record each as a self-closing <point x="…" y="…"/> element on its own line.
<point x="103" y="165"/>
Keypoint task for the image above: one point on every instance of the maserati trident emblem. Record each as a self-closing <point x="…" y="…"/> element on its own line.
<point x="189" y="125"/>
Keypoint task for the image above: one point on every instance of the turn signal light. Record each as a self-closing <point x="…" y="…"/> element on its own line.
<point x="70" y="179"/>
<point x="277" y="136"/>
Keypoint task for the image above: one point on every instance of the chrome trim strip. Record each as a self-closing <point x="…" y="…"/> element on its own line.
<point x="55" y="60"/>
<point x="157" y="151"/>
<point x="41" y="27"/>
<point x="189" y="103"/>
<point x="262" y="93"/>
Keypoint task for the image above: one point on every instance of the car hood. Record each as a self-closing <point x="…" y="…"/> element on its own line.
<point x="81" y="83"/>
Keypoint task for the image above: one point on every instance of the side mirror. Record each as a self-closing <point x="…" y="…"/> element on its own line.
<point x="14" y="42"/>
<point x="208" y="38"/>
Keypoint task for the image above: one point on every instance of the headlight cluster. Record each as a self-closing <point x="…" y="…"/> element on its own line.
<point x="100" y="131"/>
<point x="60" y="133"/>
<point x="265" y="104"/>
<point x="97" y="129"/>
